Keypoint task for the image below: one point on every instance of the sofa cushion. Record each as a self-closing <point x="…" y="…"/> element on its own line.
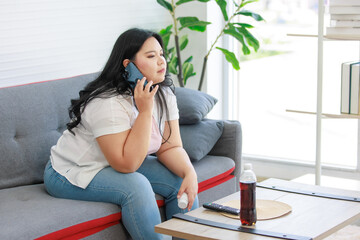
<point x="32" y="119"/>
<point x="36" y="213"/>
<point x="31" y="209"/>
<point x="193" y="105"/>
<point x="225" y="188"/>
<point x="213" y="170"/>
<point x="198" y="139"/>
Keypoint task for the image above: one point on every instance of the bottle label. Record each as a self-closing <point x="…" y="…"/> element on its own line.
<point x="248" y="203"/>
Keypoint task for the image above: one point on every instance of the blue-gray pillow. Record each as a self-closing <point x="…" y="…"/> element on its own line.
<point x="193" y="105"/>
<point x="198" y="139"/>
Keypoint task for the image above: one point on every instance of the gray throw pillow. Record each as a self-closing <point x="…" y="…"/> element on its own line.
<point x="193" y="105"/>
<point x="198" y="139"/>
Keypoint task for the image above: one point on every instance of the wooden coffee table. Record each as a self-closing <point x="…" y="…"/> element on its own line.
<point x="314" y="217"/>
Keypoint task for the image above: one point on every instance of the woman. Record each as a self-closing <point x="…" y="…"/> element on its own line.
<point x="104" y="154"/>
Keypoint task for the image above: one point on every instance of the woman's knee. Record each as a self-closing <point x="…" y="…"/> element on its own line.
<point x="139" y="187"/>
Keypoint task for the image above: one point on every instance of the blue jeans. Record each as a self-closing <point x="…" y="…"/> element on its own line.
<point x="133" y="192"/>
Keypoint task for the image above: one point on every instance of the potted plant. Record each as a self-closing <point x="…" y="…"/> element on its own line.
<point x="239" y="30"/>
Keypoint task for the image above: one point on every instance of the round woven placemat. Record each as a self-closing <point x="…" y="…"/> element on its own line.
<point x="265" y="209"/>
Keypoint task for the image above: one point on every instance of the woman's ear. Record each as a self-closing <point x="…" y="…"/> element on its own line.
<point x="126" y="62"/>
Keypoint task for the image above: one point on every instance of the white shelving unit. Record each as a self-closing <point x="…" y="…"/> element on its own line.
<point x="321" y="37"/>
<point x="319" y="90"/>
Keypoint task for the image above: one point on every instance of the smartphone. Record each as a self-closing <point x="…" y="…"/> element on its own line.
<point x="133" y="74"/>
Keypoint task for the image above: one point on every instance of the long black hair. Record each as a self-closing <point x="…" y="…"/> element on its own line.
<point x="111" y="80"/>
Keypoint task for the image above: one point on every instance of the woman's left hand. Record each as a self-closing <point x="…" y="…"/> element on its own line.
<point x="190" y="186"/>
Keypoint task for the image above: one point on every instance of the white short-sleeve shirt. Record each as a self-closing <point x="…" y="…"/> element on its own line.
<point x="79" y="158"/>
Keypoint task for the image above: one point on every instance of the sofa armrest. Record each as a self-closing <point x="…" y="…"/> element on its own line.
<point x="230" y="144"/>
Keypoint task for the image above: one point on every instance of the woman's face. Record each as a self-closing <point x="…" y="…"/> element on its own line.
<point x="150" y="61"/>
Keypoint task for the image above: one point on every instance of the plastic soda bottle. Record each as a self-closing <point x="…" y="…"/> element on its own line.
<point x="248" y="196"/>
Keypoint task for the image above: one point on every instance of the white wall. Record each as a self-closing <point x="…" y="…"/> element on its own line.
<point x="48" y="39"/>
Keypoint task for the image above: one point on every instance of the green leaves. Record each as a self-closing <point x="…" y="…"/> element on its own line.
<point x="255" y="16"/>
<point x="239" y="31"/>
<point x="230" y="57"/>
<point x="250" y="39"/>
<point x="247" y="2"/>
<point x="183" y="42"/>
<point x="189" y="59"/>
<point x="222" y="5"/>
<point x="193" y="23"/>
<point x="183" y="1"/>
<point x="165" y="35"/>
<point x="245" y="25"/>
<point x="173" y="64"/>
<point x="188" y="68"/>
<point x="233" y="32"/>
<point x="166" y="5"/>
<point x="188" y="71"/>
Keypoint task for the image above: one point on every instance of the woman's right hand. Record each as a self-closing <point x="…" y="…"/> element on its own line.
<point x="144" y="98"/>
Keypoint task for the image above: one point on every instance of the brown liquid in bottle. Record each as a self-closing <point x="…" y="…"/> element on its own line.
<point x="248" y="203"/>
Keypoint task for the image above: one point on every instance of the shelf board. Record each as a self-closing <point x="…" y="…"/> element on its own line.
<point x="301" y="35"/>
<point x="342" y="37"/>
<point x="327" y="115"/>
<point x="327" y="37"/>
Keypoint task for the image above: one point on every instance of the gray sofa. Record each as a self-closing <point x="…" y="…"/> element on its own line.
<point x="32" y="118"/>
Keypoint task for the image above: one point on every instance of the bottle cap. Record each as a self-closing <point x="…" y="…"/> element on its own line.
<point x="182" y="204"/>
<point x="247" y="166"/>
<point x="183" y="201"/>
